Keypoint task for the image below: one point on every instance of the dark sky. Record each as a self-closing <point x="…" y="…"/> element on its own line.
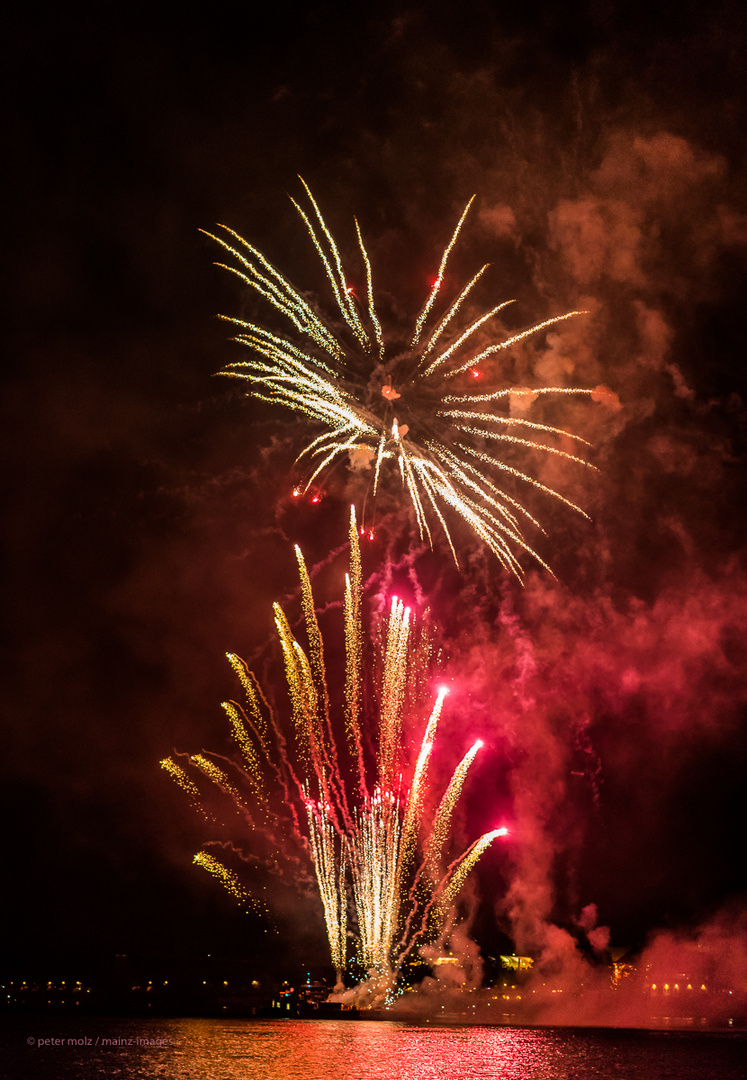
<point x="148" y="523"/>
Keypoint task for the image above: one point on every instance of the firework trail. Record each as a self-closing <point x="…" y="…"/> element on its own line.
<point x="411" y="410"/>
<point x="356" y="794"/>
<point x="228" y="879"/>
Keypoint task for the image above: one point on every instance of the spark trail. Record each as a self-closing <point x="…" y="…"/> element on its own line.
<point x="349" y="780"/>
<point x="381" y="406"/>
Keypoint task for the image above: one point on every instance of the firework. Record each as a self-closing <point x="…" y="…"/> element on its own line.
<point x="348" y="781"/>
<point x="228" y="879"/>
<point x="411" y="410"/>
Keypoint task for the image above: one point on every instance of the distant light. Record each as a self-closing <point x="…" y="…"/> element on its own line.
<point x="475" y="373"/>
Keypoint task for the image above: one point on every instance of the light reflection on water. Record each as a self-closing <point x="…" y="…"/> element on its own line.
<point x="350" y="1050"/>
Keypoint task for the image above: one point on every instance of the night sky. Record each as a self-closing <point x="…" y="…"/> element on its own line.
<point x="147" y="509"/>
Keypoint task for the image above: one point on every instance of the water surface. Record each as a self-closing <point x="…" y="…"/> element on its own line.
<point x="89" y="1048"/>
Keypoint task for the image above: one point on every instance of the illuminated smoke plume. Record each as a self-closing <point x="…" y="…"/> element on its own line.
<point x="609" y="690"/>
<point x="348" y="782"/>
<point x="413" y="404"/>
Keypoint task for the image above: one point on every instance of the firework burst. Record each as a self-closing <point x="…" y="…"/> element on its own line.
<point x="348" y="782"/>
<point x="410" y="409"/>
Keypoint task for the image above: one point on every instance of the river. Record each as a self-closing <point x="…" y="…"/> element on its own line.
<point x="89" y="1048"/>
